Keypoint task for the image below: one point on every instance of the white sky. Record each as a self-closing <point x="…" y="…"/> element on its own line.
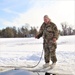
<point x="58" y="10"/>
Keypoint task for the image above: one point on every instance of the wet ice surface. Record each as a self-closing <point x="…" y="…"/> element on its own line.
<point x="23" y="72"/>
<point x="27" y="51"/>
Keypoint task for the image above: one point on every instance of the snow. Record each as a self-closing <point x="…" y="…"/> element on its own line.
<point x="27" y="51"/>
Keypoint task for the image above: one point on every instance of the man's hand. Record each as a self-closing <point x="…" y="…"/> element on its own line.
<point x="36" y="36"/>
<point x="54" y="40"/>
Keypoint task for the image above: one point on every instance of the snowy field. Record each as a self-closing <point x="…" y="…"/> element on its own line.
<point x="27" y="51"/>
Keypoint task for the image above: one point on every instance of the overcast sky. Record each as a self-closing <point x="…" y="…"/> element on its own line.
<point x="18" y="12"/>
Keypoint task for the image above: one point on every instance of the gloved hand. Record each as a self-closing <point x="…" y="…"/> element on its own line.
<point x="36" y="36"/>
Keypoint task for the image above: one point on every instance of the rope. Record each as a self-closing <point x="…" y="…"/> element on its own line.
<point x="38" y="61"/>
<point x="25" y="66"/>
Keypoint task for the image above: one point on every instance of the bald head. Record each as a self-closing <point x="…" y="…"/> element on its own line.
<point x="46" y="16"/>
<point x="46" y="19"/>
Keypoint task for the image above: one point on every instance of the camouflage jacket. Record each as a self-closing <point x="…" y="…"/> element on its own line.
<point x="48" y="31"/>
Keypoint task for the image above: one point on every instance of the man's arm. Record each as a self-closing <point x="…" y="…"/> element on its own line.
<point x="56" y="32"/>
<point x="40" y="33"/>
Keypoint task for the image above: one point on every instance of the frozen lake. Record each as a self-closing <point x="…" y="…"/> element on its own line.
<point x="27" y="51"/>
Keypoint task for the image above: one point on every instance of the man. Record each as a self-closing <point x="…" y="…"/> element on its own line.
<point x="50" y="34"/>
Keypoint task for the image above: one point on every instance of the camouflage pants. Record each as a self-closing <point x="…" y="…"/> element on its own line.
<point x="50" y="52"/>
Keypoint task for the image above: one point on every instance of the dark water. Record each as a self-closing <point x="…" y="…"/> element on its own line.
<point x="49" y="74"/>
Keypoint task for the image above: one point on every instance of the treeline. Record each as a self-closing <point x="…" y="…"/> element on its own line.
<point x="13" y="32"/>
<point x="66" y="29"/>
<point x="25" y="31"/>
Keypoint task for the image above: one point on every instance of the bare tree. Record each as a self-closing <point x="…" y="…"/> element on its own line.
<point x="67" y="30"/>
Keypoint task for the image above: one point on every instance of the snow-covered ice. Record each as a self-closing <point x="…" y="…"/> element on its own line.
<point x="27" y="51"/>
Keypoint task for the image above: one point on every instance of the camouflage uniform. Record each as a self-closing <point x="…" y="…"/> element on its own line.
<point x="49" y="31"/>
